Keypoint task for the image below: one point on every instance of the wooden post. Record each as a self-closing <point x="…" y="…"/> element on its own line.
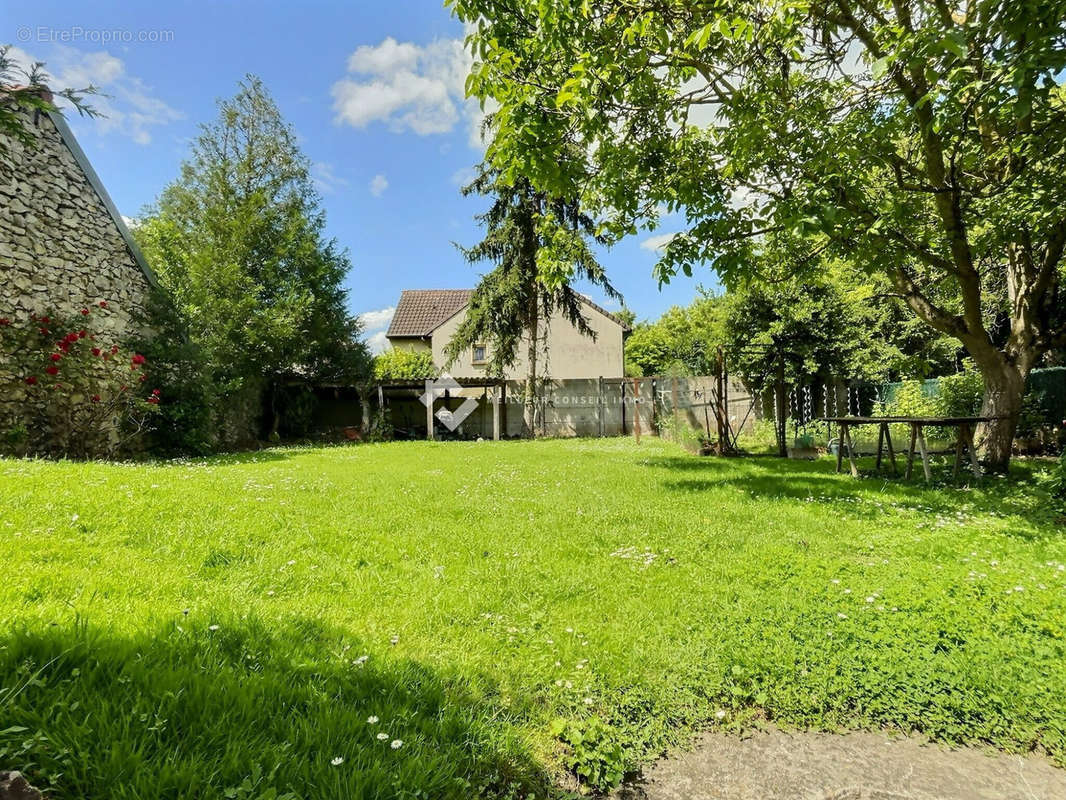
<point x="654" y="400"/>
<point x="958" y="452"/>
<point x="840" y="446"/>
<point x="503" y="407"/>
<point x="622" y="384"/>
<point x="891" y="452"/>
<point x="599" y="404"/>
<point x="925" y="455"/>
<point x="366" y="412"/>
<point x="495" y="413"/>
<point x="636" y="408"/>
<point x="429" y="409"/>
<point x="726" y="434"/>
<point x="676" y="411"/>
<point x="880" y="445"/>
<point x="851" y="452"/>
<point x="910" y="452"/>
<point x="973" y="451"/>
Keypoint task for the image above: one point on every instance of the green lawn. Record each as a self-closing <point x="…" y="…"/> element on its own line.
<point x="228" y="627"/>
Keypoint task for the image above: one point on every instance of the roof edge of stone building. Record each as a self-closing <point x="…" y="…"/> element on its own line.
<point x="71" y="143"/>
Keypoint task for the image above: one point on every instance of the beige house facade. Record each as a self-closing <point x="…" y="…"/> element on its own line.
<point x="426" y="319"/>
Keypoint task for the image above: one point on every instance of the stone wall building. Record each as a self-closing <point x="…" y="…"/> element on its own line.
<point x="63" y="244"/>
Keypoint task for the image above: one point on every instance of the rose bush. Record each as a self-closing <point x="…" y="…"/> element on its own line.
<point x="82" y="394"/>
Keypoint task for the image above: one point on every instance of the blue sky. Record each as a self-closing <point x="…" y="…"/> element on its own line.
<point x="374" y="91"/>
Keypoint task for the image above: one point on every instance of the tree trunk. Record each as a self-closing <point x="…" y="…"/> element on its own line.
<point x="1004" y="389"/>
<point x="531" y="372"/>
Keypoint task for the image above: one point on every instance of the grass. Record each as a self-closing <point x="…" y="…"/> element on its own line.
<point x="512" y="612"/>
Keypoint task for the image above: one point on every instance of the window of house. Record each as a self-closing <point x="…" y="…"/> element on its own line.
<point x="479" y="354"/>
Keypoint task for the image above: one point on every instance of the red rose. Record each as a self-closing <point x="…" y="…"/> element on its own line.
<point x="137" y="358"/>
<point x="153" y="400"/>
<point x="82" y="334"/>
<point x="70" y="338"/>
<point x="95" y="351"/>
<point x="57" y="356"/>
<point x="155" y="392"/>
<point x="114" y="349"/>
<point x="103" y="304"/>
<point x="85" y="312"/>
<point x="96" y="398"/>
<point x="46" y="320"/>
<point x="4" y="321"/>
<point x="52" y="370"/>
<point x="32" y="380"/>
<point x="63" y="346"/>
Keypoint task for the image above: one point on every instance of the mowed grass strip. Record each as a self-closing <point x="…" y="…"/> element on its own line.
<point x="429" y="619"/>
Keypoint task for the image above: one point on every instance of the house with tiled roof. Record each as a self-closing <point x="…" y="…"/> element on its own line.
<point x="426" y="319"/>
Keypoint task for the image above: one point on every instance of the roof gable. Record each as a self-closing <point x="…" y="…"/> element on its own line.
<point x="421" y="311"/>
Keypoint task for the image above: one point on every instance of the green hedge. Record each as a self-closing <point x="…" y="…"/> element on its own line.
<point x="960" y="394"/>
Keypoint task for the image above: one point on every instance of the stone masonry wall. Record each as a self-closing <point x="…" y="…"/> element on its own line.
<point x="60" y="248"/>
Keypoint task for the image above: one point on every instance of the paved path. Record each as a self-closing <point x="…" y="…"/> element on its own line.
<point x="779" y="765"/>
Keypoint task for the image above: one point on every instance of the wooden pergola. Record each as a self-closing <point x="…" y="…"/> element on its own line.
<point x="435" y="388"/>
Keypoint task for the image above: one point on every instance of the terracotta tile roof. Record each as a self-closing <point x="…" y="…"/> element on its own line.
<point x="421" y="311"/>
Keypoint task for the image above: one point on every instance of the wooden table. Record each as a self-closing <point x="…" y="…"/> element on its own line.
<point x="964" y="440"/>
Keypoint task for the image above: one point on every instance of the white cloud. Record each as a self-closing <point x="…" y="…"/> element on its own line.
<point x="377" y="343"/>
<point x="131" y="222"/>
<point x="377" y="320"/>
<point x="128" y="109"/>
<point x="376" y="323"/>
<point x="463" y="176"/>
<point x="325" y="179"/>
<point x="408" y="87"/>
<point x="378" y="185"/>
<point x="658" y="243"/>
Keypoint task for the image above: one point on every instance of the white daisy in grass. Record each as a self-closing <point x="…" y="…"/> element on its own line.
<point x="383" y="736"/>
<point x="842" y="615"/>
<point x="396" y="744"/>
<point x="719" y="714"/>
<point x="212" y="627"/>
<point x="337" y="761"/>
<point x="372" y="720"/>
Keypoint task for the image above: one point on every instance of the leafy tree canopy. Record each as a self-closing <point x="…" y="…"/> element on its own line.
<point x="683" y="341"/>
<point x="922" y="139"/>
<point x="404" y="365"/>
<point x="238" y="241"/>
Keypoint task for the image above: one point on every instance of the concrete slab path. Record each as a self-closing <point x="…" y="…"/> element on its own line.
<point x="783" y="765"/>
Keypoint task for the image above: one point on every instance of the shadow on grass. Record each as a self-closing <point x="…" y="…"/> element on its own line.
<point x="818" y="481"/>
<point x="246" y="712"/>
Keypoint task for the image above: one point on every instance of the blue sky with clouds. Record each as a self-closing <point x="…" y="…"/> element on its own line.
<point x="374" y="91"/>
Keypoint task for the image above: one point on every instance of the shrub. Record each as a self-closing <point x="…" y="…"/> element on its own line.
<point x="404" y="365"/>
<point x="596" y="756"/>
<point x="186" y="421"/>
<point x="83" y="395"/>
<point x="957" y="395"/>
